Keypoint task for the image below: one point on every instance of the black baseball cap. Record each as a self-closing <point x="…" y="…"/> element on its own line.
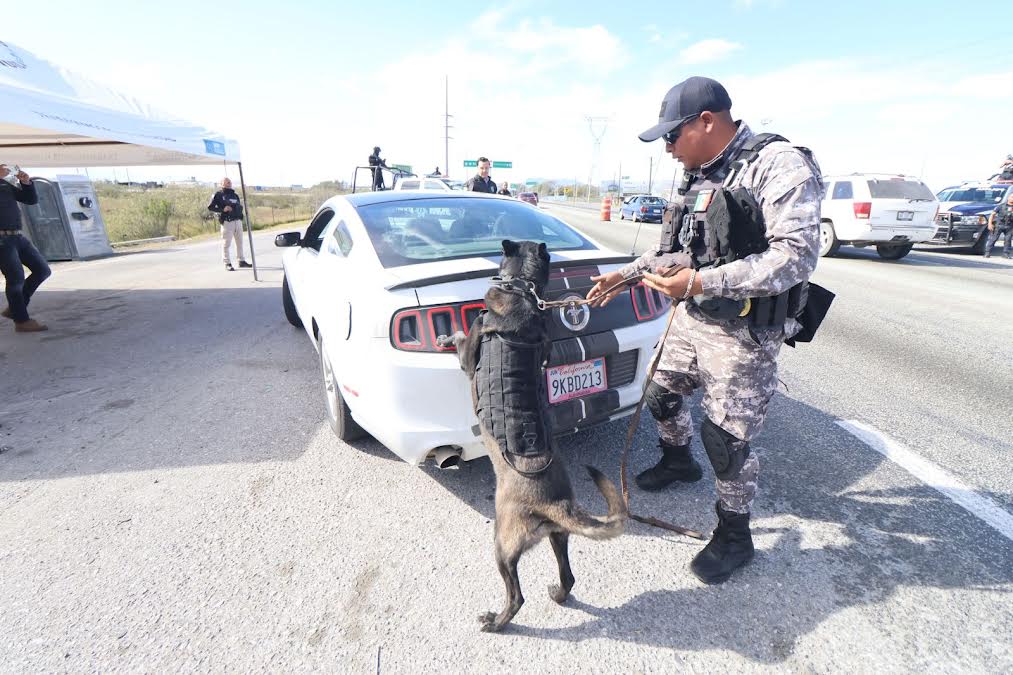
<point x="685" y="100"/>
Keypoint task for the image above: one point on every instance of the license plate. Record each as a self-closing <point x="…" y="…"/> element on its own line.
<point x="905" y="215"/>
<point x="575" y="380"/>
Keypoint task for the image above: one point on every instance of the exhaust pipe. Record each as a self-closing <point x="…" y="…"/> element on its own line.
<point x="447" y="457"/>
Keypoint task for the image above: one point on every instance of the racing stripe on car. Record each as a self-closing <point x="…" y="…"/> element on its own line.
<point x="571" y="415"/>
<point x="586" y="347"/>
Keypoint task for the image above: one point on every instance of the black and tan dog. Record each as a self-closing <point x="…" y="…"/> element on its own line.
<point x="503" y="356"/>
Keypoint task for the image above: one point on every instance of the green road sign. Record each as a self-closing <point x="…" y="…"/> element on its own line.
<point x="407" y="168"/>
<point x="470" y="162"/>
<point x="502" y="165"/>
<point x="626" y="177"/>
<point x="531" y="182"/>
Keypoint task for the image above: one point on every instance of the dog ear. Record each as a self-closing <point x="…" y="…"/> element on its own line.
<point x="510" y="247"/>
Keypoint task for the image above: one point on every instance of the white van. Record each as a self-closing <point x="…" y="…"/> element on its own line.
<point x="888" y="211"/>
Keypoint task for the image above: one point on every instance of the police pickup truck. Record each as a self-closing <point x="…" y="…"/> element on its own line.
<point x="963" y="213"/>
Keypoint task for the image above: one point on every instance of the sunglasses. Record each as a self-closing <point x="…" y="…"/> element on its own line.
<point x="672" y="136"/>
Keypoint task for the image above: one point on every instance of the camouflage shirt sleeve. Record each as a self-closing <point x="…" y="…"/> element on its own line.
<point x="789" y="193"/>
<point x="651" y="260"/>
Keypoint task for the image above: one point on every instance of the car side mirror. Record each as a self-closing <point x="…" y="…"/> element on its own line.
<point x="286" y="239"/>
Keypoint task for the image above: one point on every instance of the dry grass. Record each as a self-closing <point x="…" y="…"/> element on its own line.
<point x="138" y="213"/>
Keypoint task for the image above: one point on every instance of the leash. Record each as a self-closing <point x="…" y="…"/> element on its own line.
<point x="634" y="423"/>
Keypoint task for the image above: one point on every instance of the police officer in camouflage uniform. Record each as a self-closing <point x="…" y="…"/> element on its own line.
<point x="741" y="292"/>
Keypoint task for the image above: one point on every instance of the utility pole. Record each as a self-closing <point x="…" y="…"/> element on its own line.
<point x="446" y="125"/>
<point x="596" y="145"/>
<point x="650" y="175"/>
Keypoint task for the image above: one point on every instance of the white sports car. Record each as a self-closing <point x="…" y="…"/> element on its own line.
<point x="378" y="276"/>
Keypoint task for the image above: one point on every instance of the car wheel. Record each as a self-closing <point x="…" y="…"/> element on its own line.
<point x="829" y="243"/>
<point x="621" y="216"/>
<point x="338" y="414"/>
<point x="893" y="252"/>
<point x="286" y="301"/>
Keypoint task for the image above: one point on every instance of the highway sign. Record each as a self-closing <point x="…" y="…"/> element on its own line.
<point x="502" y="165"/>
<point x="470" y="162"/>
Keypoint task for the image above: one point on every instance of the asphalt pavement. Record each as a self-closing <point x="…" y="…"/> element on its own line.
<point x="172" y="499"/>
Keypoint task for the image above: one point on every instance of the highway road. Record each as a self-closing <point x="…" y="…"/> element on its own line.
<point x="172" y="499"/>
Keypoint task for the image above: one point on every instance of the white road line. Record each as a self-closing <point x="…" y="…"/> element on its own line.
<point x="933" y="476"/>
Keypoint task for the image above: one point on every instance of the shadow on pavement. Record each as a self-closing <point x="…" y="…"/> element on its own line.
<point x="200" y="367"/>
<point x="838" y="539"/>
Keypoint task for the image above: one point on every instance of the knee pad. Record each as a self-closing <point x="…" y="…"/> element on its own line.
<point x="726" y="453"/>
<point x="662" y="403"/>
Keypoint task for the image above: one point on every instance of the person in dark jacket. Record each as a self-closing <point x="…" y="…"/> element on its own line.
<point x="504" y="190"/>
<point x="376" y="163"/>
<point x="17" y="252"/>
<point x="482" y="181"/>
<point x="227" y="205"/>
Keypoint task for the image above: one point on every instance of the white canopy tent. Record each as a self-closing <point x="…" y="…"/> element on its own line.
<point x="52" y="117"/>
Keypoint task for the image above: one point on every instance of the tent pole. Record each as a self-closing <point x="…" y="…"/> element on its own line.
<point x="249" y="222"/>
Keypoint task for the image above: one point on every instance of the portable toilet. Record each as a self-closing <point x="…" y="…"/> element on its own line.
<point x="67" y="223"/>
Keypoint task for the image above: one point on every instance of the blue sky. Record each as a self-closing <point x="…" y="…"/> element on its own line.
<point x="308" y="88"/>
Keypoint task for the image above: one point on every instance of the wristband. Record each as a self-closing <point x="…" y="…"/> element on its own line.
<point x="689" y="286"/>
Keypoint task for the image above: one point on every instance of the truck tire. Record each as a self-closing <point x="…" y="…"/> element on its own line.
<point x="893" y="252"/>
<point x="829" y="243"/>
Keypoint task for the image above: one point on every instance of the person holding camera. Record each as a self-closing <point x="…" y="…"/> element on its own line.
<point x="229" y="208"/>
<point x="17" y="252"/>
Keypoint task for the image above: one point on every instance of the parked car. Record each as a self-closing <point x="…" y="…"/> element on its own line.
<point x="889" y="211"/>
<point x="427" y="183"/>
<point x="644" y="208"/>
<point x="529" y="197"/>
<point x="378" y="276"/>
<point x="963" y="214"/>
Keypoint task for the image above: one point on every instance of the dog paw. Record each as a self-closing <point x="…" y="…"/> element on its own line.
<point x="487" y="621"/>
<point x="558" y="594"/>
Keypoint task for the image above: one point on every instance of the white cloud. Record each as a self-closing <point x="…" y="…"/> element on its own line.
<point x="707" y="51"/>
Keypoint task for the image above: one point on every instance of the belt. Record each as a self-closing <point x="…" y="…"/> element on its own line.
<point x="7" y="233"/>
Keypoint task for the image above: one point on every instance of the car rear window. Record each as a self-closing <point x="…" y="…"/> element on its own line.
<point x="899" y="189"/>
<point x="416" y="231"/>
<point x="650" y="200"/>
<point x="409" y="185"/>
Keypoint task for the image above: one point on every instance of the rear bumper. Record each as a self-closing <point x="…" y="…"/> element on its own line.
<point x="891" y="234"/>
<point x="420" y="402"/>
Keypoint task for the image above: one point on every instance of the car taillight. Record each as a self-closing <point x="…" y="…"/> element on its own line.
<point x="648" y="303"/>
<point x="416" y="330"/>
<point x="862" y="209"/>
<point x="643" y="209"/>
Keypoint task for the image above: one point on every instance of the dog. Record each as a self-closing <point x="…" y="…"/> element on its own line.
<point x="503" y="355"/>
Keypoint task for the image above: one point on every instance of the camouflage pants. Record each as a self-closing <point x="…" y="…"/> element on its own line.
<point x="738" y="374"/>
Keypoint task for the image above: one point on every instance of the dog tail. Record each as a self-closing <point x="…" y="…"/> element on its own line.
<point x="578" y="521"/>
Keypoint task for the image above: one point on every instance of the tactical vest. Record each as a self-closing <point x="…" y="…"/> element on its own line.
<point x="508" y="383"/>
<point x="719" y="223"/>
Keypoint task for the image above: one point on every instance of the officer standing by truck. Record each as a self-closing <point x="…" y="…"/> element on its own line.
<point x="745" y="238"/>
<point x="1000" y="221"/>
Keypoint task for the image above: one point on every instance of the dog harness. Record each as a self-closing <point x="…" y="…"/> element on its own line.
<point x="510" y="392"/>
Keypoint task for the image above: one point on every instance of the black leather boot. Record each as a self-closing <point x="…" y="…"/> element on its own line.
<point x="730" y="548"/>
<point x="676" y="465"/>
